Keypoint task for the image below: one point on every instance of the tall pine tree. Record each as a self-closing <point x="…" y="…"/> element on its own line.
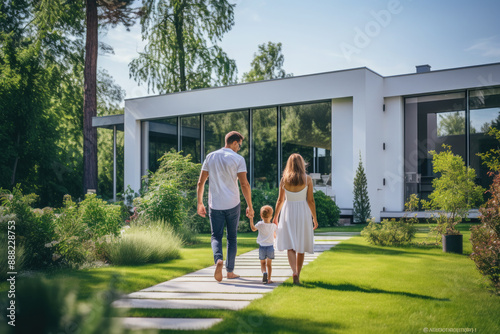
<point x="361" y="204"/>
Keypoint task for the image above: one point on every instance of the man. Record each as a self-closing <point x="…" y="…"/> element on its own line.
<point x="225" y="167"/>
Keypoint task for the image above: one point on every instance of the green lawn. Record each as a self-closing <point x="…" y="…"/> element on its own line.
<point x="353" y="288"/>
<point x="360" y="288"/>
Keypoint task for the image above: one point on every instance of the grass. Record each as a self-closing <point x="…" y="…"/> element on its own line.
<point x="360" y="288"/>
<point x="353" y="288"/>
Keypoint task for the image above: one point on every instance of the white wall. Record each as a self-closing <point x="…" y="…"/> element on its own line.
<point x="342" y="151"/>
<point x="393" y="136"/>
<point x="374" y="155"/>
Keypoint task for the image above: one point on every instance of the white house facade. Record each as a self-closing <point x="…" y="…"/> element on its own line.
<point x="332" y="119"/>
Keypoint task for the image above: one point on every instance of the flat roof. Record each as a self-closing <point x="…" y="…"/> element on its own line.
<point x="108" y="122"/>
<point x="315" y="74"/>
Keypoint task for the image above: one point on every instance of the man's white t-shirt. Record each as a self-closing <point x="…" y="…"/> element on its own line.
<point x="266" y="233"/>
<point x="223" y="167"/>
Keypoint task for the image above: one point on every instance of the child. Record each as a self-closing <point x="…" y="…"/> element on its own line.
<point x="265" y="239"/>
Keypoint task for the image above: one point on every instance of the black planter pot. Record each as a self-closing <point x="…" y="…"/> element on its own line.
<point x="453" y="243"/>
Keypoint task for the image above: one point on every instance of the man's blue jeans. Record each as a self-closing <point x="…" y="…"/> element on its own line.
<point x="231" y="218"/>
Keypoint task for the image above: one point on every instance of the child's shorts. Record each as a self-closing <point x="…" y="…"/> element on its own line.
<point x="266" y="252"/>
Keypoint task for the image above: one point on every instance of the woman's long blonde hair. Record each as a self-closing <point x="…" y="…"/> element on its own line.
<point x="295" y="170"/>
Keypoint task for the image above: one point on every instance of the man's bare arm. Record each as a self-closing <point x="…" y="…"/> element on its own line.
<point x="247" y="193"/>
<point x="200" y="189"/>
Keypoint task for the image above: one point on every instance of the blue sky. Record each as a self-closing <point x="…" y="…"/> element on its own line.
<point x="387" y="36"/>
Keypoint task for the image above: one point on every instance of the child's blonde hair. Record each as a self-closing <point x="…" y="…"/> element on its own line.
<point x="266" y="211"/>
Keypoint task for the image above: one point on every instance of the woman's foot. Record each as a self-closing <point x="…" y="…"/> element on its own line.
<point x="269" y="281"/>
<point x="218" y="270"/>
<point x="296" y="279"/>
<point x="264" y="278"/>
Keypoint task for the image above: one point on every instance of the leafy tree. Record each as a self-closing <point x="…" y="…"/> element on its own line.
<point x="267" y="64"/>
<point x="452" y="123"/>
<point x="361" y="205"/>
<point x="177" y="56"/>
<point x="454" y="190"/>
<point x="41" y="97"/>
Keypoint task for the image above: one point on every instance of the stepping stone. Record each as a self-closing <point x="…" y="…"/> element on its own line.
<point x="328" y="237"/>
<point x="337" y="233"/>
<point x="226" y="286"/>
<point x="243" y="272"/>
<point x="277" y="279"/>
<point x="194" y="295"/>
<point x="181" y="304"/>
<point x="169" y="323"/>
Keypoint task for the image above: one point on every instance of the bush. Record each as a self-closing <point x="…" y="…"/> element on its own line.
<point x="34" y="227"/>
<point x="327" y="211"/>
<point x="73" y="237"/>
<point x="100" y="217"/>
<point x="389" y="232"/>
<point x="153" y="242"/>
<point x="170" y="194"/>
<point x="485" y="238"/>
<point x="46" y="306"/>
<point x="165" y="203"/>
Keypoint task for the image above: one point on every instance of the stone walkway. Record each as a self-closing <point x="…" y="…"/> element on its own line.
<point x="199" y="289"/>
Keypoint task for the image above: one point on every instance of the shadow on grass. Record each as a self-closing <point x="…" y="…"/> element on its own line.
<point x="380" y="250"/>
<point x="354" y="288"/>
<point x="251" y="321"/>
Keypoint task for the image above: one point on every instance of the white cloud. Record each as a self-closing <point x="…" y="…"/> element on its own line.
<point x="487" y="47"/>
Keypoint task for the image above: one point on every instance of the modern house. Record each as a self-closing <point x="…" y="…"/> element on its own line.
<point x="333" y="119"/>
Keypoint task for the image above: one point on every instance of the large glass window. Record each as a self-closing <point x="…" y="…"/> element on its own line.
<point x="306" y="129"/>
<point x="218" y="125"/>
<point x="191" y="137"/>
<point x="484" y="113"/>
<point x="430" y="122"/>
<point x="162" y="138"/>
<point x="265" y="144"/>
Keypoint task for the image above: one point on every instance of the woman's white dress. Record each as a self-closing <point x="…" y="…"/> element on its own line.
<point x="295" y="227"/>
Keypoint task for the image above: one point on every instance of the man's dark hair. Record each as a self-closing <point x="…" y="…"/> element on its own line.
<point x="233" y="136"/>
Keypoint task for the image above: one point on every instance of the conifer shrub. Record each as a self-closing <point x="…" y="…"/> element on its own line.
<point x="361" y="204"/>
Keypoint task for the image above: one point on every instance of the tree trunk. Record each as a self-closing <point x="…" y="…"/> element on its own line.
<point x="90" y="100"/>
<point x="179" y="32"/>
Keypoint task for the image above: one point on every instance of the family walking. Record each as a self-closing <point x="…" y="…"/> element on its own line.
<point x="294" y="218"/>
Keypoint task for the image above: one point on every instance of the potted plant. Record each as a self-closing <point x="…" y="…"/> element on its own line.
<point x="454" y="194"/>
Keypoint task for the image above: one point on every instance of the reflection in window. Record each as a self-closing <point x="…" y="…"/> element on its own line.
<point x="218" y="125"/>
<point x="430" y="122"/>
<point x="484" y="113"/>
<point x="162" y="138"/>
<point x="265" y="140"/>
<point x="306" y="129"/>
<point x="191" y="137"/>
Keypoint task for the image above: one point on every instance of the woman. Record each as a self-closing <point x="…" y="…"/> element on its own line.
<point x="297" y="214"/>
